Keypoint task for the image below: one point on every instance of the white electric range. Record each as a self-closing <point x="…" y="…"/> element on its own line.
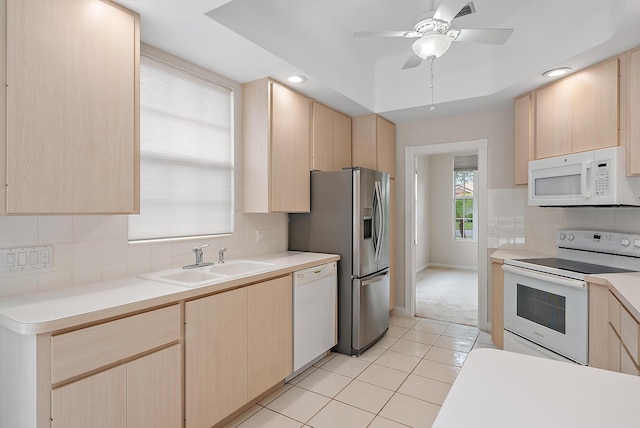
<point x="546" y="300"/>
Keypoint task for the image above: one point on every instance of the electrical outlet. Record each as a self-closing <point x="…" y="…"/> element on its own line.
<point x="25" y="258"/>
<point x="261" y="236"/>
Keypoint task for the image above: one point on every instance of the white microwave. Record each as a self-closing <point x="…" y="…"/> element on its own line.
<point x="589" y="178"/>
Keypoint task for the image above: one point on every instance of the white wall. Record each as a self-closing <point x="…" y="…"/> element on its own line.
<point x="94" y="248"/>
<point x="422" y="213"/>
<point x="443" y="249"/>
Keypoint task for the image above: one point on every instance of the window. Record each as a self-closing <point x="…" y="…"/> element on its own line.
<point x="465" y="206"/>
<point x="186" y="155"/>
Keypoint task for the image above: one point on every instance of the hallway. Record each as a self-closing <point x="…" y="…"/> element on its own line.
<point x="446" y="294"/>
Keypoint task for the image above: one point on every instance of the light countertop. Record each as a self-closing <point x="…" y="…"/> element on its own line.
<point x="500" y="389"/>
<point x="509" y="254"/>
<point x="49" y="311"/>
<point x="625" y="286"/>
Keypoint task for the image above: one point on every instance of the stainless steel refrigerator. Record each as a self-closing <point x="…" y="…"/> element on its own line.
<point x="350" y="217"/>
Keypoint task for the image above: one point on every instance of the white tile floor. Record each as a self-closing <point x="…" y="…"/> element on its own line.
<point x="401" y="381"/>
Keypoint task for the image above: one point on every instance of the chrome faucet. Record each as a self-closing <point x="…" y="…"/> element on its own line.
<point x="199" y="256"/>
<point x="221" y="255"/>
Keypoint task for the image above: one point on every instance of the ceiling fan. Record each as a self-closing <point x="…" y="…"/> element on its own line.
<point x="435" y="34"/>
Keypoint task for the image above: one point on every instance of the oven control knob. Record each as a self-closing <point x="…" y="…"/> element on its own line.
<point x="570" y="237"/>
<point x="562" y="236"/>
<point x="636" y="243"/>
<point x="625" y="242"/>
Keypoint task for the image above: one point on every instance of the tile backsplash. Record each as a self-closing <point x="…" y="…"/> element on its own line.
<point x="95" y="248"/>
<point x="512" y="223"/>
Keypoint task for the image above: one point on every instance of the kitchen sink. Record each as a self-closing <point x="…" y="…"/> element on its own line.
<point x="186" y="278"/>
<point x="206" y="275"/>
<point x="238" y="267"/>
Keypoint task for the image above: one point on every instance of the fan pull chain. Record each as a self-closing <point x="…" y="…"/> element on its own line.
<point x="433" y="107"/>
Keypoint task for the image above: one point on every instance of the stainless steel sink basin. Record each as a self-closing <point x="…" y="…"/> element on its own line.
<point x="206" y="275"/>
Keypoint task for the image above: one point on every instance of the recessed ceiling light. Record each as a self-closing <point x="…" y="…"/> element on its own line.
<point x="296" y="78"/>
<point x="556" y="72"/>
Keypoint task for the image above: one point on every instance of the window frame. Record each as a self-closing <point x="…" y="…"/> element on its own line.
<point x="474" y="209"/>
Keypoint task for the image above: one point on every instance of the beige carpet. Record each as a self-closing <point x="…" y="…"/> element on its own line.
<point x="447" y="295"/>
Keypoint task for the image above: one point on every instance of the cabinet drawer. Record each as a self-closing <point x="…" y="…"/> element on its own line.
<point x="614" y="312"/>
<point x="630" y="334"/>
<point x="90" y="348"/>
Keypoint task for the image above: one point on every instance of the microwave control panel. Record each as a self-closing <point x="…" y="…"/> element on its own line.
<point x="602" y="178"/>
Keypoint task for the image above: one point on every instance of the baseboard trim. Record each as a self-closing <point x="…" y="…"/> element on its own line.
<point x="460" y="267"/>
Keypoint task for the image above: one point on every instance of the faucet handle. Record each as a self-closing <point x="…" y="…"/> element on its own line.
<point x="195" y="249"/>
<point x="221" y="255"/>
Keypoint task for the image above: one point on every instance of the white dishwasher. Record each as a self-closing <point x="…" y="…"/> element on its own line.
<point x="314" y="313"/>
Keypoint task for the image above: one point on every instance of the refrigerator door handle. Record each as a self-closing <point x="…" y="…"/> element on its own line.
<point x="380" y="218"/>
<point x="374" y="279"/>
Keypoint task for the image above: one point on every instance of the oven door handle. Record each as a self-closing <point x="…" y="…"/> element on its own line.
<point x="568" y="282"/>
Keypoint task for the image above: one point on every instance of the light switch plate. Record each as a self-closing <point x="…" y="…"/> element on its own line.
<point x="20" y="259"/>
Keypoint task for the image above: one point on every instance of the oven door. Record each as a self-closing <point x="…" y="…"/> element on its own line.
<point x="549" y="310"/>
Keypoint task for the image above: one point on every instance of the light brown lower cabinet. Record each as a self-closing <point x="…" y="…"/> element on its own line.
<point x="238" y="344"/>
<point x="613" y="333"/>
<point x="143" y="392"/>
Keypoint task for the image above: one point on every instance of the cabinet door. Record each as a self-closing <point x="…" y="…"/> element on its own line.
<point x="633" y="112"/>
<point x="554" y="119"/>
<point x="523" y="137"/>
<point x="99" y="401"/>
<point x="72" y="72"/>
<point x="215" y="357"/>
<point x="270" y="334"/>
<point x="613" y="350"/>
<point x="386" y="146"/>
<point x="598" y="326"/>
<point x="342" y="141"/>
<point x="154" y="390"/>
<point x="323" y="138"/>
<point x="363" y="142"/>
<point x="497" y="306"/>
<point x="290" y="141"/>
<point x="595" y="99"/>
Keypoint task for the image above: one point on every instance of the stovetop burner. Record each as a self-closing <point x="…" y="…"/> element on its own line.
<point x="573" y="266"/>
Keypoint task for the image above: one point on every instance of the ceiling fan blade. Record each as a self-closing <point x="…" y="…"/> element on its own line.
<point x="408" y="33"/>
<point x="496" y="36"/>
<point x="412" y="61"/>
<point x="448" y="9"/>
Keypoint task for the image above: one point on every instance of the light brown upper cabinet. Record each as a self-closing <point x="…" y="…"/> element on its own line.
<point x="579" y="112"/>
<point x="373" y="143"/>
<point x="630" y="108"/>
<point x="276" y="125"/>
<point x="523" y="114"/>
<point x="72" y="100"/>
<point x="331" y="139"/>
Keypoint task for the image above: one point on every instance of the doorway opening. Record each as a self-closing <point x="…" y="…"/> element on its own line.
<point x="446" y="237"/>
<point x="446" y="263"/>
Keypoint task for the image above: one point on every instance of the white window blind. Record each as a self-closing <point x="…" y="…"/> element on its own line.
<point x="186" y="155"/>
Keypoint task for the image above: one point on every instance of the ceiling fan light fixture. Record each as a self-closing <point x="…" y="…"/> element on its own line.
<point x="557" y="72"/>
<point x="431" y="45"/>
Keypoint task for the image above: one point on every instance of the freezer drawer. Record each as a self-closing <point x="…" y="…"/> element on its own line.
<point x="370" y="309"/>
<point x="314" y="313"/>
